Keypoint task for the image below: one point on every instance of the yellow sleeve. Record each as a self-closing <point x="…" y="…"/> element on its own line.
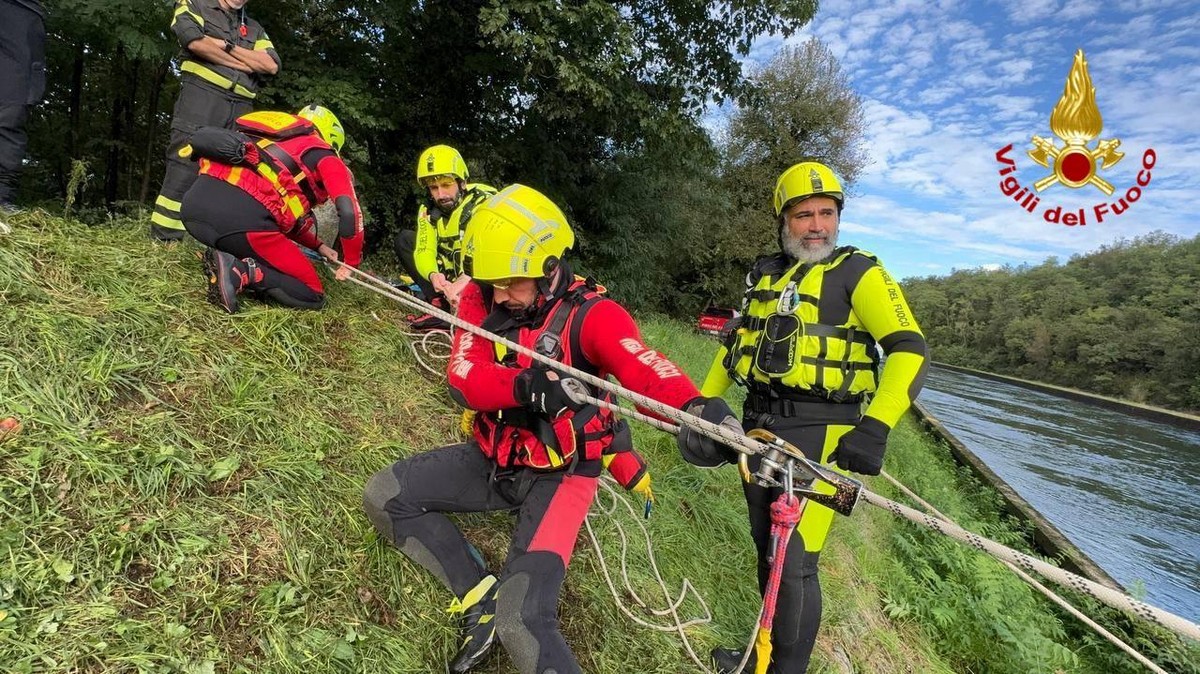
<point x="425" y="249"/>
<point x="879" y="304"/>
<point x="717" y="380"/>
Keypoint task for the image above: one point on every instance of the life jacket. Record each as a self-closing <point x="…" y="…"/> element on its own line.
<point x="781" y="347"/>
<point x="275" y="175"/>
<point x="450" y="228"/>
<point x="518" y="437"/>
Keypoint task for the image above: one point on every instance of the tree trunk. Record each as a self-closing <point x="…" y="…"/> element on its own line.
<point x="133" y="85"/>
<point x="156" y="86"/>
<point x="112" y="173"/>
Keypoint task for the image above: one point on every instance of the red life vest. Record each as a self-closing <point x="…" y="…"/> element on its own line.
<point x="280" y="180"/>
<point x="518" y="437"/>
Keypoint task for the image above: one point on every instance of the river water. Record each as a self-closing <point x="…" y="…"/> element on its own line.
<point x="1124" y="490"/>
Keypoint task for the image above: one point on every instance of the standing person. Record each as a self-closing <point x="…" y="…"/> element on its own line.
<point x="22" y="83"/>
<point x="533" y="450"/>
<point x="805" y="350"/>
<point x="431" y="254"/>
<point x="226" y="56"/>
<point x="254" y="197"/>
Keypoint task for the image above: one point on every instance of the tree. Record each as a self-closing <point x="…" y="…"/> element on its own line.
<point x="581" y="99"/>
<point x="1121" y="320"/>
<point x="801" y="108"/>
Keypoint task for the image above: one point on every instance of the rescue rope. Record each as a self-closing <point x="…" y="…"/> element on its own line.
<point x="1078" y="583"/>
<point x="429" y="345"/>
<point x="745" y="445"/>
<point x="679" y="626"/>
<point x="847" y="488"/>
<point x="1049" y="594"/>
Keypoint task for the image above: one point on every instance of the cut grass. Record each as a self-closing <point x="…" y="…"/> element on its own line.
<point x="185" y="495"/>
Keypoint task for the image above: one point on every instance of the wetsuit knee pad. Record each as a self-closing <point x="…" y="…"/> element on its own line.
<point x="381" y="488"/>
<point x="527" y="614"/>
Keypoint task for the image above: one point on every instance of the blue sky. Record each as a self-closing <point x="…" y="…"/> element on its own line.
<point x="947" y="84"/>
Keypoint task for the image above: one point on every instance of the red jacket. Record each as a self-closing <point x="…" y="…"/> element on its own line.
<point x="609" y="344"/>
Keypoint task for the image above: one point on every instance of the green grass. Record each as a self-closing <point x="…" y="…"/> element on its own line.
<point x="185" y="494"/>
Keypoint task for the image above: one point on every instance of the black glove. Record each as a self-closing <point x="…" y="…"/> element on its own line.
<point x="701" y="450"/>
<point x="542" y="390"/>
<point x="861" y="449"/>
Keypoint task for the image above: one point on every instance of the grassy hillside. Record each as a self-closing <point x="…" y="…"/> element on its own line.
<point x="185" y="497"/>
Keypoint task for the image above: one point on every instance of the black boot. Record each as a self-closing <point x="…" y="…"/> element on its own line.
<point x="477" y="627"/>
<point x="227" y="276"/>
<point x="727" y="660"/>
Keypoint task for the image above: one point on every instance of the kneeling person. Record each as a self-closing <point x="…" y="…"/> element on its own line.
<point x="257" y="187"/>
<point x="432" y="253"/>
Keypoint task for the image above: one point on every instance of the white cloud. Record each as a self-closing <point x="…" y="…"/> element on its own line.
<point x="1078" y="9"/>
<point x="946" y="84"/>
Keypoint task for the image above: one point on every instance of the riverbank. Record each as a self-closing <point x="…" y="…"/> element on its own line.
<point x="185" y="497"/>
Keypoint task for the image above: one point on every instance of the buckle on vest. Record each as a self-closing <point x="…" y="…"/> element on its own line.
<point x="549" y="345"/>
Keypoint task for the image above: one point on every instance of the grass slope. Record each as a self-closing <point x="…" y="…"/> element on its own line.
<point x="185" y="495"/>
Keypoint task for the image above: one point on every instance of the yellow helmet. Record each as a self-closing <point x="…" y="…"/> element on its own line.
<point x="804" y="180"/>
<point x="327" y="125"/>
<point x="517" y="233"/>
<point x="441" y="160"/>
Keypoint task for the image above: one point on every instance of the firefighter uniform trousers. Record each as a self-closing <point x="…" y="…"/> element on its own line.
<point x="22" y="82"/>
<point x="199" y="104"/>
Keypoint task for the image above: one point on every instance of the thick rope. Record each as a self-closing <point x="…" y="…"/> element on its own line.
<point x="1049" y="594"/>
<point x="745" y="445"/>
<point x="737" y="441"/>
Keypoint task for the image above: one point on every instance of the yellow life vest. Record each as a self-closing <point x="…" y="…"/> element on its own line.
<point x="449" y="228"/>
<point x="781" y="343"/>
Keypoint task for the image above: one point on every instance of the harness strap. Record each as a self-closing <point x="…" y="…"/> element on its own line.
<point x="446" y="244"/>
<point x="285" y="160"/>
<point x="849" y="334"/>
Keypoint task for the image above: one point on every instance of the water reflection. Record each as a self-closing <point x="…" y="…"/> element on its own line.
<point x="1122" y="488"/>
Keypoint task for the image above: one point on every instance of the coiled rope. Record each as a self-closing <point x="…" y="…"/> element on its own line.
<point x="742" y="444"/>
<point x="678" y="625"/>
<point x="430" y="348"/>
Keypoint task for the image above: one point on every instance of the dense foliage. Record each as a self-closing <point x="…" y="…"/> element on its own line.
<point x="1119" y="321"/>
<point x="599" y="104"/>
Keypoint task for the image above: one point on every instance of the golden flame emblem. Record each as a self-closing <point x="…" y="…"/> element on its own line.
<point x="1076" y="120"/>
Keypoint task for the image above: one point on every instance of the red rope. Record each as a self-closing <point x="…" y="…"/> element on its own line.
<point x="785" y="514"/>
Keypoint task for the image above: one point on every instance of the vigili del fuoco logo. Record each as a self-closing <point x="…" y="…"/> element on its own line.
<point x="1077" y="163"/>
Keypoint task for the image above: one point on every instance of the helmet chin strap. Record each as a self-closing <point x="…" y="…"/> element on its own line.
<point x="462" y="192"/>
<point x="550" y="288"/>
